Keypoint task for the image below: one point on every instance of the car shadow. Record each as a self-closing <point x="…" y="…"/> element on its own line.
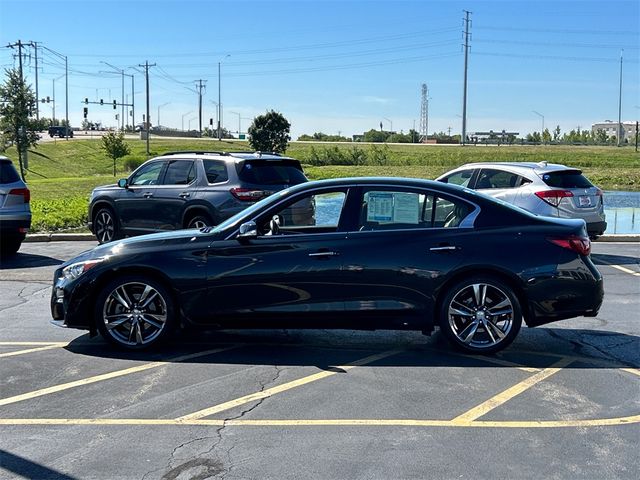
<point x="328" y="349"/>
<point x="604" y="259"/>
<point x="26" y="260"/>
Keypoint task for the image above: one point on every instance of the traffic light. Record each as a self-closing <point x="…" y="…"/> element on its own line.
<point x="211" y="121"/>
<point x="48" y="99"/>
<point x="86" y="100"/>
<point x="86" y="111"/>
<point x="114" y="104"/>
<point x="101" y="102"/>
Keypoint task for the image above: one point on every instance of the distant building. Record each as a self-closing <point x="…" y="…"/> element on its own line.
<point x="611" y="129"/>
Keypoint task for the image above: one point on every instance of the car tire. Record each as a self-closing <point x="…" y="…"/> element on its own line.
<point x="480" y="315"/>
<point x="105" y="225"/>
<point x="9" y="246"/>
<point x="199" y="221"/>
<point x="135" y="313"/>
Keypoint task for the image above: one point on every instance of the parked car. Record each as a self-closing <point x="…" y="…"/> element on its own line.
<point x="188" y="190"/>
<point x="15" y="211"/>
<point x="60" y="131"/>
<point x="542" y="188"/>
<point x="381" y="253"/>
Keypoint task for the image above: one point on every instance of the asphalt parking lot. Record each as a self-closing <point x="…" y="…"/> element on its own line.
<point x="562" y="402"/>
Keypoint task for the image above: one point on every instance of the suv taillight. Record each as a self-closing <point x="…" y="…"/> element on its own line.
<point x="581" y="245"/>
<point x="26" y="194"/>
<point x="553" y="197"/>
<point x="249" y="195"/>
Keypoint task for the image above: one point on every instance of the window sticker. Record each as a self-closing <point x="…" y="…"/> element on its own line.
<point x="380" y="207"/>
<point x="406" y="208"/>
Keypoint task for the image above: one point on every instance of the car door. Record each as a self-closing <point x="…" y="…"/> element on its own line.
<point x="290" y="271"/>
<point x="500" y="184"/>
<point x="135" y="206"/>
<point x="171" y="196"/>
<point x="405" y="244"/>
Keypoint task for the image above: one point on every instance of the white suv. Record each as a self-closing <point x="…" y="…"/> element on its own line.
<point x="542" y="188"/>
<point x="15" y="212"/>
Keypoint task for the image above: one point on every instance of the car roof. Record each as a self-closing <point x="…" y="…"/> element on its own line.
<point x="228" y="156"/>
<point x="382" y="181"/>
<point x="540" y="167"/>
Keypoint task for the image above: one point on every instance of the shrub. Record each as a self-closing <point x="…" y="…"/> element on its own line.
<point x="131" y="163"/>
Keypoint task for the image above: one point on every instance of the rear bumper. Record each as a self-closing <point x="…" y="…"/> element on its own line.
<point x="596" y="228"/>
<point x="11" y="227"/>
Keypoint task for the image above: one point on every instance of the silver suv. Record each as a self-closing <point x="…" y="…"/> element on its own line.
<point x="542" y="188"/>
<point x="188" y="190"/>
<point x="15" y="212"/>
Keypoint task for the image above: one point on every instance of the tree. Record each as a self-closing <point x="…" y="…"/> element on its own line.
<point x="270" y="132"/>
<point x="546" y="136"/>
<point x="556" y="133"/>
<point x="113" y="143"/>
<point x="17" y="102"/>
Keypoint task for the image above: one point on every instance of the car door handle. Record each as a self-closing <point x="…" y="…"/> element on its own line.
<point x="147" y="194"/>
<point x="184" y="195"/>
<point x="324" y="254"/>
<point x="444" y="248"/>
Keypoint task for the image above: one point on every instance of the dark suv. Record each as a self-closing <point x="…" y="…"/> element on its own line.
<point x="188" y="190"/>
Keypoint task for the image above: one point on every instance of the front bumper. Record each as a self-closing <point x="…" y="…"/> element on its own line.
<point x="71" y="305"/>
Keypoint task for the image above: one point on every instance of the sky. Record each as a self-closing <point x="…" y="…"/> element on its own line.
<point x="337" y="67"/>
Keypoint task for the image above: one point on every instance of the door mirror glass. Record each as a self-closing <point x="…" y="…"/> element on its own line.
<point x="122" y="183"/>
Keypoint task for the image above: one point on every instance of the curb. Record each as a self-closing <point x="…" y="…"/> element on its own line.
<point x="84" y="237"/>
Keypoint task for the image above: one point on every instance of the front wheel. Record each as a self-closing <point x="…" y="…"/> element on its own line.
<point x="199" y="221"/>
<point x="480" y="315"/>
<point x="135" y="313"/>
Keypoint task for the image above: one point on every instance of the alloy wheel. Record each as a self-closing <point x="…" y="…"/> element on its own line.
<point x="480" y="316"/>
<point x="105" y="226"/>
<point x="134" y="314"/>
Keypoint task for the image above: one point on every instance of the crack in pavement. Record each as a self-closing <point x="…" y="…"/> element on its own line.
<point x="579" y="346"/>
<point x="197" y="465"/>
<point x="25" y="298"/>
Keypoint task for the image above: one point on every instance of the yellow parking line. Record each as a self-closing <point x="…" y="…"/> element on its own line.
<point x="26" y="344"/>
<point x="108" y="376"/>
<point x="511" y="392"/>
<point x="31" y="350"/>
<point x="504" y="363"/>
<point x="284" y="387"/>
<point x="622" y="269"/>
<point x="634" y="371"/>
<point x="346" y="422"/>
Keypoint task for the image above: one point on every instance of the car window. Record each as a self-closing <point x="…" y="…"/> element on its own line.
<point x="393" y="210"/>
<point x="8" y="173"/>
<point x="313" y="213"/>
<point x="491" y="178"/>
<point x="179" y="172"/>
<point x="147" y="174"/>
<point x="271" y="172"/>
<point x="460" y="178"/>
<point x="216" y="171"/>
<point x="566" y="179"/>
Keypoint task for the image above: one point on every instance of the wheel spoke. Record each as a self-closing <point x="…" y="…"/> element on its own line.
<point x="152" y="321"/>
<point x="467" y="337"/>
<point x="488" y="330"/>
<point x="117" y="323"/>
<point x="143" y="301"/>
<point x="122" y="299"/>
<point x="138" y="329"/>
<point x="480" y="294"/>
<point x="490" y="326"/>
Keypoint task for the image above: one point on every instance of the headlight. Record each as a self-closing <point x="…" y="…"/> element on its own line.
<point x="73" y="271"/>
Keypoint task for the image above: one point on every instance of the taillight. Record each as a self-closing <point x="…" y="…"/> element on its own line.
<point x="581" y="245"/>
<point x="249" y="195"/>
<point x="553" y="197"/>
<point x="26" y="194"/>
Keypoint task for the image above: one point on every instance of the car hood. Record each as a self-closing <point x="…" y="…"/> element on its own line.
<point x="145" y="243"/>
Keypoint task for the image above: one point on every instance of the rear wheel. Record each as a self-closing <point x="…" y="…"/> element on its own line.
<point x="104" y="225"/>
<point x="199" y="221"/>
<point x="10" y="246"/>
<point x="480" y="315"/>
<point x="135" y="313"/>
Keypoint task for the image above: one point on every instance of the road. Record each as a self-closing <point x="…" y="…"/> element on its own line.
<point x="562" y="402"/>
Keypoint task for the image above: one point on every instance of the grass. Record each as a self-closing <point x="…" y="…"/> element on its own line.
<point x="63" y="173"/>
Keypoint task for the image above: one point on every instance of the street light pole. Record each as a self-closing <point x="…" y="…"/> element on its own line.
<point x="236" y="113"/>
<point x="390" y="124"/>
<point x="620" y="103"/>
<point x="541" y="131"/>
<point x="220" y="101"/>
<point x="163" y="105"/>
<point x="188" y="113"/>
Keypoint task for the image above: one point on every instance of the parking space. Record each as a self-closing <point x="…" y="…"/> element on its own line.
<point x="562" y="401"/>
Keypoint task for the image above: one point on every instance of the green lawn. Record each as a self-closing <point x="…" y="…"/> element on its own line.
<point x="63" y="173"/>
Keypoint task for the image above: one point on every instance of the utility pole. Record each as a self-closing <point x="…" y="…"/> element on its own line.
<point x="21" y="129"/>
<point x="148" y="119"/>
<point x="467" y="36"/>
<point x="200" y="86"/>
<point x="620" y="104"/>
<point x="35" y="47"/>
<point x="424" y="114"/>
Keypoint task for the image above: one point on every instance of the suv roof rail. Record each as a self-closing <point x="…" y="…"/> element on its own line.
<point x="179" y="152"/>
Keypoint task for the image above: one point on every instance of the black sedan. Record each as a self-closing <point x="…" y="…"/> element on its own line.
<point x="379" y="253"/>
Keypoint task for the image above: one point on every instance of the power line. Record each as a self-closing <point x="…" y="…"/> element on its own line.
<point x="552" y="30"/>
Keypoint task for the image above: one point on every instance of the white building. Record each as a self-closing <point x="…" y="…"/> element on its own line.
<point x="611" y="129"/>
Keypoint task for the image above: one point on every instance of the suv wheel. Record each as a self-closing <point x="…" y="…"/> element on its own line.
<point x="199" y="221"/>
<point x="104" y="225"/>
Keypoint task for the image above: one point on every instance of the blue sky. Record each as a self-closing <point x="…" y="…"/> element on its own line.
<point x="339" y="66"/>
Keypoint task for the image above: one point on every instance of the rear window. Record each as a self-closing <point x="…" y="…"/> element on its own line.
<point x="271" y="172"/>
<point x="8" y="173"/>
<point x="566" y="179"/>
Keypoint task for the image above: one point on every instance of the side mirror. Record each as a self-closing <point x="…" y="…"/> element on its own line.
<point x="248" y="230"/>
<point x="122" y="183"/>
